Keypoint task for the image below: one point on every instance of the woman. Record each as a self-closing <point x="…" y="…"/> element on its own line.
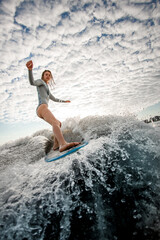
<point x="42" y="110"/>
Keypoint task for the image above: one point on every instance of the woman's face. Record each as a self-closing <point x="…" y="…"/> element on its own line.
<point x="47" y="77"/>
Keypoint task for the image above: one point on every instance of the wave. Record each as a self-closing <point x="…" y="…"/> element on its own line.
<point x="108" y="190"/>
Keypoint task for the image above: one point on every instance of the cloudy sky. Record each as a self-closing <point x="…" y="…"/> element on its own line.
<point x="104" y="56"/>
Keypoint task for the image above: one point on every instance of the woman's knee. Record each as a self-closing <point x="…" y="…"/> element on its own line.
<point x="60" y="124"/>
<point x="56" y="123"/>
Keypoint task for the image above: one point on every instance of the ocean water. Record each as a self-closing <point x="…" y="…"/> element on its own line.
<point x="109" y="190"/>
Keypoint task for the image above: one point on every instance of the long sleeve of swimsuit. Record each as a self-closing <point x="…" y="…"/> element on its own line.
<point x="43" y="91"/>
<point x="36" y="83"/>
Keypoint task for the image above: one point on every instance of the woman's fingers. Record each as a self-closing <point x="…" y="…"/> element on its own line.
<point x="29" y="64"/>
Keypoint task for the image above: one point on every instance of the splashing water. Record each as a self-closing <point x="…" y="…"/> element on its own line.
<point x="108" y="190"/>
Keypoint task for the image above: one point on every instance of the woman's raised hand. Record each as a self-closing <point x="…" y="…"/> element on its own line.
<point x="29" y="65"/>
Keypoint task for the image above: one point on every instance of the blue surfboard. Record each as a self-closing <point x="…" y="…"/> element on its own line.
<point x="53" y="156"/>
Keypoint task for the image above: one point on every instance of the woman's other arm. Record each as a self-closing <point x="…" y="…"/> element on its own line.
<point x="29" y="65"/>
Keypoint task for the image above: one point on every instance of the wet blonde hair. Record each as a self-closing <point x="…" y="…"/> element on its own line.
<point x="51" y="82"/>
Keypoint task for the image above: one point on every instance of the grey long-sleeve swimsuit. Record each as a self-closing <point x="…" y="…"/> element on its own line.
<point x="43" y="90"/>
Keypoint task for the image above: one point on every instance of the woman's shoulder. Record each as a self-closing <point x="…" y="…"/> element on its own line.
<point x="39" y="82"/>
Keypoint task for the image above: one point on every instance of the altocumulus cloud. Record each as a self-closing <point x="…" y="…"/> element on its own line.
<point x="104" y="55"/>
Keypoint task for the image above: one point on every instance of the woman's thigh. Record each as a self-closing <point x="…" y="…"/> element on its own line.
<point x="44" y="113"/>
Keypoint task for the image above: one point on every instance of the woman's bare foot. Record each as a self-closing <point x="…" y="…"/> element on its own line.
<point x="56" y="144"/>
<point x="55" y="147"/>
<point x="68" y="146"/>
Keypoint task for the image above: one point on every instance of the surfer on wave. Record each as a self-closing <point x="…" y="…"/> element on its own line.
<point x="42" y="110"/>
